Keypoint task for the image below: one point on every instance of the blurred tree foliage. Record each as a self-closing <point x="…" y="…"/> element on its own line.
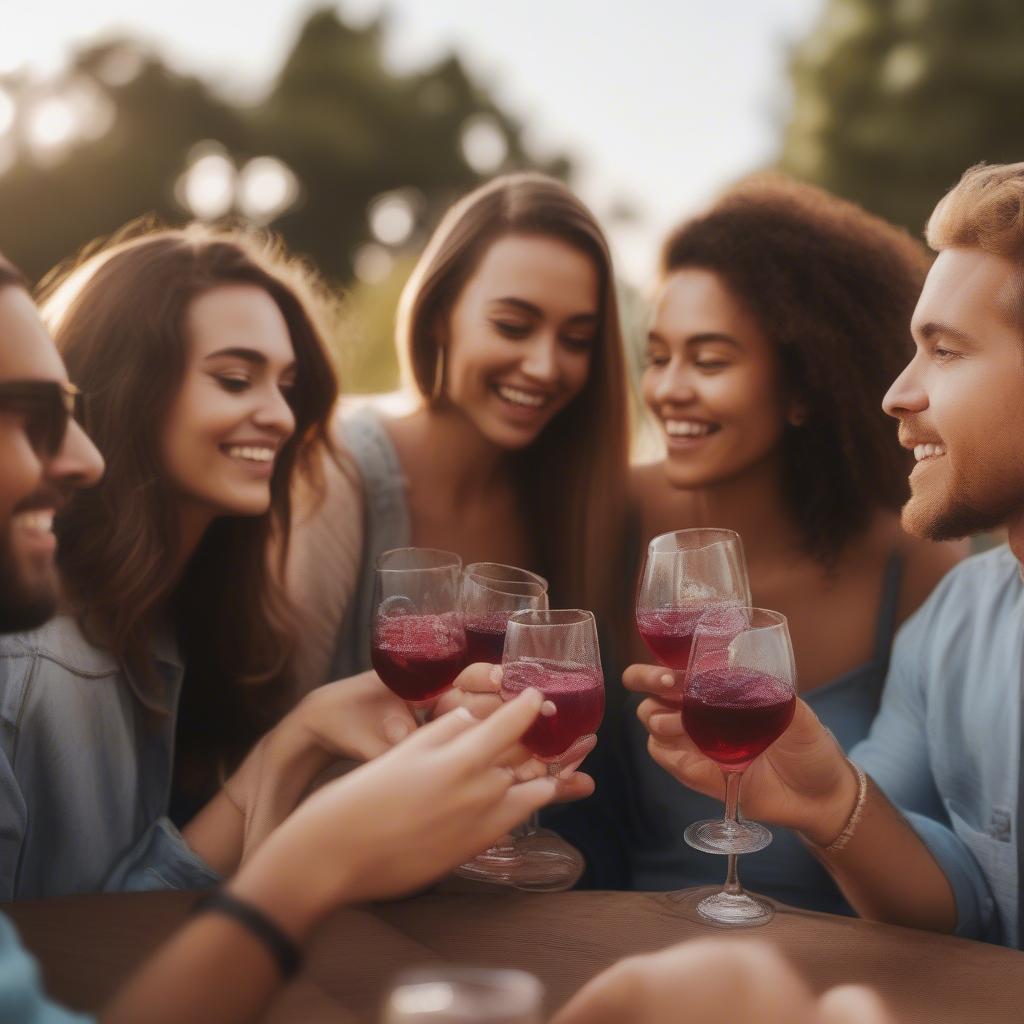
<point x="894" y="99"/>
<point x="347" y="127"/>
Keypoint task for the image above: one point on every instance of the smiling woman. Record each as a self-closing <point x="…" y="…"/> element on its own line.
<point x="208" y="393"/>
<point x="509" y="332"/>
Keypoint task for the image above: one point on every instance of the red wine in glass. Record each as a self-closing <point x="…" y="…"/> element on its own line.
<point x="485" y="637"/>
<point x="735" y="714"/>
<point x="418" y="656"/>
<point x="668" y="633"/>
<point x="577" y="693"/>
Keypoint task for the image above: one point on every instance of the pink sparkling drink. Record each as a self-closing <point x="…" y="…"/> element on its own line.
<point x="418" y="656"/>
<point x="577" y="693"/>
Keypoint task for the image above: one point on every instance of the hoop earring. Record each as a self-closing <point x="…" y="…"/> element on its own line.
<point x="438" y="389"/>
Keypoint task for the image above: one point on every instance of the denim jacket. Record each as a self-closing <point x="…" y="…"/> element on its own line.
<point x="85" y="775"/>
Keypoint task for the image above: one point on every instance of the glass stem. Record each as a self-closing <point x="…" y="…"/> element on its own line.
<point x="732" y="880"/>
<point x="732" y="796"/>
<point x="421" y="712"/>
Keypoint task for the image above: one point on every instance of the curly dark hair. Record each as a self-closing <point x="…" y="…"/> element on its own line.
<point x="833" y="288"/>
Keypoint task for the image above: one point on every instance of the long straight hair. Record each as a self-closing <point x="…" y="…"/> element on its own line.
<point x="572" y="480"/>
<point x="119" y="320"/>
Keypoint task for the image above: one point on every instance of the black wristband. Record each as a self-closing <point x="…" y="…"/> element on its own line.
<point x="285" y="952"/>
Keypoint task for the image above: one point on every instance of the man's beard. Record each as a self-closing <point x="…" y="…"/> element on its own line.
<point x="24" y="604"/>
<point x="961" y="510"/>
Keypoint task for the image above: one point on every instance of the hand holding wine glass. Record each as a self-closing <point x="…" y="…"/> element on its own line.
<point x="802" y="781"/>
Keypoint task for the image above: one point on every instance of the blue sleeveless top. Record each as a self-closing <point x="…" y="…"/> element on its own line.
<point x="662" y="807"/>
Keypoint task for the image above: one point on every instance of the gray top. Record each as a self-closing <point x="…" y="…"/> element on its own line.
<point x="386" y="525"/>
<point x="84" y="777"/>
<point x="946" y="745"/>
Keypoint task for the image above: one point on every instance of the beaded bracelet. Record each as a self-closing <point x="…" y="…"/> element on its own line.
<point x="844" y="837"/>
<point x="280" y="946"/>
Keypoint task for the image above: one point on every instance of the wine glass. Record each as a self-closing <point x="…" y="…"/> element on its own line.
<point x="557" y="653"/>
<point x="687" y="573"/>
<point x="740" y="696"/>
<point x="491" y="592"/>
<point x="419" y="644"/>
<point x="464" y="995"/>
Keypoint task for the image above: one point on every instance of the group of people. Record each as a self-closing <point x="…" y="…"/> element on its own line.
<point x="189" y="529"/>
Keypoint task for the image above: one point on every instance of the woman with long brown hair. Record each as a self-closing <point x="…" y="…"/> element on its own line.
<point x="516" y="451"/>
<point x="208" y="391"/>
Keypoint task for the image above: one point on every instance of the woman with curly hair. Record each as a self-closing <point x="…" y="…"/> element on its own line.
<point x="782" y="315"/>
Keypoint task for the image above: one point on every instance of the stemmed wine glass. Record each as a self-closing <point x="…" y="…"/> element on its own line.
<point x="739" y="698"/>
<point x="419" y="644"/>
<point x="686" y="574"/>
<point x="557" y="653"/>
<point x="491" y="592"/>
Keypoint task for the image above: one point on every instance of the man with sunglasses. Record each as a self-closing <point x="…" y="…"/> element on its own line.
<point x="44" y="456"/>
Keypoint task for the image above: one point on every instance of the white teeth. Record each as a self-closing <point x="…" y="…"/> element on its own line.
<point x="38" y="521"/>
<point x="518" y="397"/>
<point x="928" y="451"/>
<point x="251" y="454"/>
<point x="687" y="428"/>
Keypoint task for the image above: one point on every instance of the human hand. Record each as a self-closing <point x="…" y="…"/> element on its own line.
<point x="713" y="981"/>
<point x="478" y="689"/>
<point x="402" y="820"/>
<point x="803" y="780"/>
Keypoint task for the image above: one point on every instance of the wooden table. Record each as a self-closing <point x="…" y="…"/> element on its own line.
<point x="87" y="944"/>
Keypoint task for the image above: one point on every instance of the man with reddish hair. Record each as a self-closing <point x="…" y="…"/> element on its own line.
<point x="923" y="825"/>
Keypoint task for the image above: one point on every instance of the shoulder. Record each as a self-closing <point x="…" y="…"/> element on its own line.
<point x="924" y="564"/>
<point x="975" y="596"/>
<point x="48" y="661"/>
<point x="62" y="642"/>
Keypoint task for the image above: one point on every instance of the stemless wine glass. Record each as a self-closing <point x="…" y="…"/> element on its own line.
<point x="419" y="645"/>
<point x="464" y="995"/>
<point x="687" y="573"/>
<point x="740" y="697"/>
<point x="557" y="653"/>
<point x="491" y="592"/>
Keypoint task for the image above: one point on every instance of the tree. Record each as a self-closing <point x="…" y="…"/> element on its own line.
<point x="894" y="99"/>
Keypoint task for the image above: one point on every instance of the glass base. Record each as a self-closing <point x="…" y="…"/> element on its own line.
<point x="539" y="861"/>
<point x="712" y="905"/>
<point x="721" y="836"/>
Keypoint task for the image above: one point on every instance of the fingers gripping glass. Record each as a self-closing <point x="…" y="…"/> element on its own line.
<point x="47" y="406"/>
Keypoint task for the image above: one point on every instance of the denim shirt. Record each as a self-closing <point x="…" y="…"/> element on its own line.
<point x="85" y="774"/>
<point x="946" y="745"/>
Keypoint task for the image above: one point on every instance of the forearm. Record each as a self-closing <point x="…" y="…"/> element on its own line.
<point x="214" y="969"/>
<point x="255" y="800"/>
<point x="886" y="871"/>
<point x="211" y="971"/>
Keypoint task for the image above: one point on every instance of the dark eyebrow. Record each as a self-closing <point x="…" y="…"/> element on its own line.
<point x="249" y="355"/>
<point x="934" y="327"/>
<point x="535" y="311"/>
<point x="698" y="339"/>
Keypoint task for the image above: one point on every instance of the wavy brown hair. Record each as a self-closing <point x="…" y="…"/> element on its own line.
<point x="833" y="288"/>
<point x="119" y="320"/>
<point x="572" y="480"/>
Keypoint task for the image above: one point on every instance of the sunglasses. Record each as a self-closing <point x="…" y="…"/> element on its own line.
<point x="47" y="407"/>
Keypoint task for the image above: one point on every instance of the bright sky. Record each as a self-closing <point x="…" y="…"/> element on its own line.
<point x="660" y="101"/>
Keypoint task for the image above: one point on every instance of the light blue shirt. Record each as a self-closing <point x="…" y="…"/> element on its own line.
<point x="85" y="773"/>
<point x="946" y="745"/>
<point x="21" y="995"/>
